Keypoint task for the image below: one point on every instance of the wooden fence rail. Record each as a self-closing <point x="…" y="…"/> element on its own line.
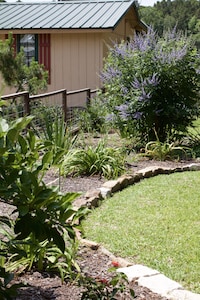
<point x="27" y="98"/>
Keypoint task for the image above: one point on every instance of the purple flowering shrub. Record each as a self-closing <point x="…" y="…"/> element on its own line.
<point x="152" y="85"/>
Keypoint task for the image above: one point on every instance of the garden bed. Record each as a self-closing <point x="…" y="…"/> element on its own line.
<point x="92" y="262"/>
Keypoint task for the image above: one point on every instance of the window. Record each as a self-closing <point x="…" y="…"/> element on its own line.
<point x="29" y="43"/>
<point x="35" y="46"/>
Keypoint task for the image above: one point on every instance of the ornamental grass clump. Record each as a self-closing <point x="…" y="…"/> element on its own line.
<point x="105" y="161"/>
<point x="152" y="82"/>
<point x="165" y="150"/>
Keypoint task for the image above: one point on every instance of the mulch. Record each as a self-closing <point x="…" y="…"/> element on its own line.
<point x="93" y="262"/>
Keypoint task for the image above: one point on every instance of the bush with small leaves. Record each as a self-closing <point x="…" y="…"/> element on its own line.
<point x="152" y="82"/>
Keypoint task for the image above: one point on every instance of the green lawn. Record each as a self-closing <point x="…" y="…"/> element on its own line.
<point x="155" y="222"/>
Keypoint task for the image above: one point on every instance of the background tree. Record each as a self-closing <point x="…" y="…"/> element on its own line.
<point x="166" y="14"/>
<point x="16" y="73"/>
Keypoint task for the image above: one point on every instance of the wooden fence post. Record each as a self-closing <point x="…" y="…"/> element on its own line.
<point x="27" y="109"/>
<point x="64" y="104"/>
<point x="88" y="99"/>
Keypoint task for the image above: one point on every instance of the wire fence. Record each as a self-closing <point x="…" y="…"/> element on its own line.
<point x="48" y="106"/>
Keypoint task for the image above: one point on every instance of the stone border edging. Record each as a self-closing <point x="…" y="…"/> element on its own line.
<point x="92" y="197"/>
<point x="146" y="277"/>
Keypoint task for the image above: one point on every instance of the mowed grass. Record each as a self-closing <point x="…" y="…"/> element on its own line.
<point x="155" y="222"/>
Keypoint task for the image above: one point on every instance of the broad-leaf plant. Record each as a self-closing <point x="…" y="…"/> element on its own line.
<point x="41" y="217"/>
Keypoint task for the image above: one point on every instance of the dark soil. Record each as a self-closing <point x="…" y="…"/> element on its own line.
<point x="94" y="263"/>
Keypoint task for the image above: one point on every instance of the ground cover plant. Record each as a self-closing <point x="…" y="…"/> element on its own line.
<point x="155" y="223"/>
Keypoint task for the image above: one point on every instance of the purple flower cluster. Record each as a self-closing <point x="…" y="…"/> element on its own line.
<point x="123" y="110"/>
<point x="110" y="73"/>
<point x="146" y="82"/>
<point x="172" y="56"/>
<point x="137" y="115"/>
<point x="124" y="90"/>
<point x="110" y="118"/>
<point x="119" y="50"/>
<point x="143" y="42"/>
<point x="144" y="86"/>
<point x="144" y="96"/>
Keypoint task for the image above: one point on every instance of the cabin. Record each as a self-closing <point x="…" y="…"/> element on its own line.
<point x="71" y="38"/>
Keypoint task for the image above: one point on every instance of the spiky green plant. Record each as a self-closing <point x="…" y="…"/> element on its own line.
<point x="102" y="160"/>
<point x="164" y="150"/>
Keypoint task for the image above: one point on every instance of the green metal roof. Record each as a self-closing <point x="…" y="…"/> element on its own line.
<point x="63" y="15"/>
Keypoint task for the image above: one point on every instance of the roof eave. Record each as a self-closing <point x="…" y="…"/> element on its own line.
<point x="54" y="30"/>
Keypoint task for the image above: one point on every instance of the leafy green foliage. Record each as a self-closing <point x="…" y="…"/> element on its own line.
<point x="152" y="82"/>
<point x="8" y="290"/>
<point x="64" y="263"/>
<point x="93" y="118"/>
<point x="108" y="162"/>
<point x="193" y="141"/>
<point x="164" y="150"/>
<point x="45" y="217"/>
<point x="16" y="73"/>
<point x="164" y="15"/>
<point x="53" y="131"/>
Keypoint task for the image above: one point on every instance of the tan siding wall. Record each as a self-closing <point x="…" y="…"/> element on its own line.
<point x="75" y="61"/>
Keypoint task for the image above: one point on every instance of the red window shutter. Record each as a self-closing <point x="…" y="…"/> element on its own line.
<point x="44" y="52"/>
<point x="14" y="42"/>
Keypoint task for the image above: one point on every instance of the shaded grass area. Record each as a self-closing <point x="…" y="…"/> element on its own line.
<point x="155" y="222"/>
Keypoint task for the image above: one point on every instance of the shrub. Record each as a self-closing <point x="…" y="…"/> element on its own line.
<point x="193" y="141"/>
<point x="93" y="118"/>
<point x="43" y="218"/>
<point x="108" y="162"/>
<point x="152" y="82"/>
<point x="16" y="73"/>
<point x="103" y="288"/>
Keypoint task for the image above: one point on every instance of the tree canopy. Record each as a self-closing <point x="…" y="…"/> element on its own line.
<point x="167" y="14"/>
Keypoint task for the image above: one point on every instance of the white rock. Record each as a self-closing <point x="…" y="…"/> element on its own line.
<point x="183" y="295"/>
<point x="159" y="284"/>
<point x="105" y="192"/>
<point x="137" y="271"/>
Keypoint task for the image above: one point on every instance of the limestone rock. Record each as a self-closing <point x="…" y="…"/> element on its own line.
<point x="159" y="284"/>
<point x="113" y="185"/>
<point x="137" y="271"/>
